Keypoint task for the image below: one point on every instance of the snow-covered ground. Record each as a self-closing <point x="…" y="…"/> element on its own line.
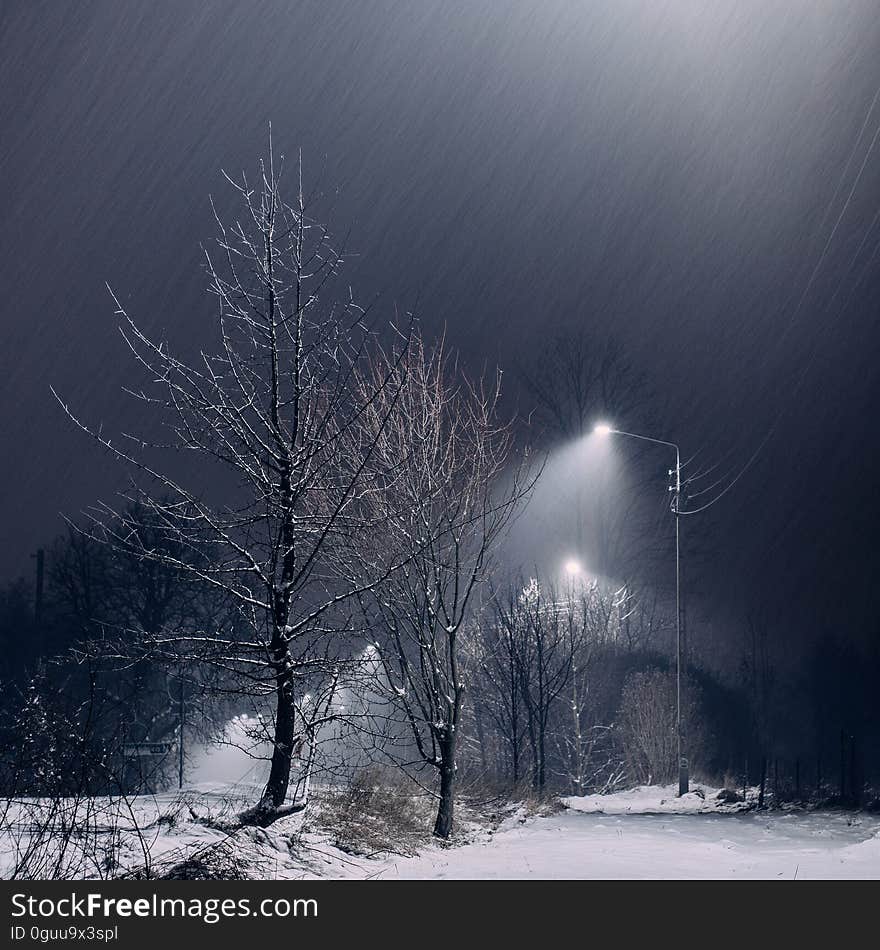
<point x="573" y="845"/>
<point x="661" y="800"/>
<point x="642" y="833"/>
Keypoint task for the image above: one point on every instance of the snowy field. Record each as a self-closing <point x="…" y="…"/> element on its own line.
<point x="574" y="845"/>
<point x="642" y="833"/>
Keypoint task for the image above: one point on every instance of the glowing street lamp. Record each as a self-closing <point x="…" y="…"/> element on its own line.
<point x="573" y="568"/>
<point x="603" y="428"/>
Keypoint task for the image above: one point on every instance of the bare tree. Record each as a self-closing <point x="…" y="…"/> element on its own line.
<point x="496" y="695"/>
<point x="107" y="593"/>
<point x="647" y="725"/>
<point x="596" y="622"/>
<point x="271" y="517"/>
<point x="454" y="488"/>
<point x="545" y="632"/>
<point x="79" y="579"/>
<point x="578" y="378"/>
<point x="543" y="675"/>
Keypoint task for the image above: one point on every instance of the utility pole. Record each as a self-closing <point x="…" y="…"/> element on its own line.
<point x="682" y="758"/>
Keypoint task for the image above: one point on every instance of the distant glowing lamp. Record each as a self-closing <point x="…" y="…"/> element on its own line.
<point x="603" y="428"/>
<point x="573" y="568"/>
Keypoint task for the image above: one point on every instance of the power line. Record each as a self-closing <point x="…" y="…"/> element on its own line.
<point x="808" y="364"/>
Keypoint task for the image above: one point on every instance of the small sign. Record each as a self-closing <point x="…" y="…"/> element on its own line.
<point x="147" y="748"/>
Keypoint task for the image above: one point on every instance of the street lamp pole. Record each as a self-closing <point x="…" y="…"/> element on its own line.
<point x="682" y="757"/>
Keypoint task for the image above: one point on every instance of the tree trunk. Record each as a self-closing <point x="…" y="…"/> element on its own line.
<point x="282" y="753"/>
<point x="578" y="740"/>
<point x="445" y="810"/>
<point x="515" y="733"/>
<point x="481" y="737"/>
<point x="533" y="742"/>
<point x="542" y="759"/>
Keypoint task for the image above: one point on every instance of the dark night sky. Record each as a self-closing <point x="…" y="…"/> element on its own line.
<point x="668" y="172"/>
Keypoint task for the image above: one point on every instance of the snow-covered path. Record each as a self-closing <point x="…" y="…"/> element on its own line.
<point x="747" y="846"/>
